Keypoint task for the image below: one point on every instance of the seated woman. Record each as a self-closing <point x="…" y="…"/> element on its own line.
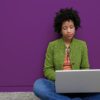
<point x="65" y="53"/>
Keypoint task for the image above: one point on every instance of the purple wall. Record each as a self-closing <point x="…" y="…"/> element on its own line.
<point x="26" y="27"/>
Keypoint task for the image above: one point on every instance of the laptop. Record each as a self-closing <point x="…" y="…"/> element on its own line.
<point x="77" y="81"/>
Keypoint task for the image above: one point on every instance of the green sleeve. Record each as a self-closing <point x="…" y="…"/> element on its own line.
<point x="85" y="61"/>
<point x="48" y="65"/>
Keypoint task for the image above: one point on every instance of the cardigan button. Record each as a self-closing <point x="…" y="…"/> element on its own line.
<point x="72" y="63"/>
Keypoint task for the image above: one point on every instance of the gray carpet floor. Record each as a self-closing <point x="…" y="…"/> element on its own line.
<point x="18" y="96"/>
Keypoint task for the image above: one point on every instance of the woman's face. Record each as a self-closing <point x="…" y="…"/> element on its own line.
<point x="68" y="29"/>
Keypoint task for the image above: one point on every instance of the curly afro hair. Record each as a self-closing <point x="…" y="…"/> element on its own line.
<point x="66" y="14"/>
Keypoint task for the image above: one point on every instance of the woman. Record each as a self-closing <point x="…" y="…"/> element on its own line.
<point x="66" y="53"/>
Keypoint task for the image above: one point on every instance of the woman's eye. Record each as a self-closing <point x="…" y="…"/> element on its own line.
<point x="64" y="28"/>
<point x="72" y="27"/>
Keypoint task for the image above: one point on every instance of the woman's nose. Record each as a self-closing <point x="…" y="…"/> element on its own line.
<point x="69" y="30"/>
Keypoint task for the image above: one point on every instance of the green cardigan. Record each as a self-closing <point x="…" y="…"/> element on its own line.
<point x="55" y="56"/>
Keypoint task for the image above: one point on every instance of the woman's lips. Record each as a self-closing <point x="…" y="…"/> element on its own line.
<point x="70" y="35"/>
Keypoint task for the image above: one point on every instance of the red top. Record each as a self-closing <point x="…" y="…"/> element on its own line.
<point x="67" y="64"/>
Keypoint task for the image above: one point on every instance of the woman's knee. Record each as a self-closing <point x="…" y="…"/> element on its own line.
<point x="37" y="86"/>
<point x="42" y="86"/>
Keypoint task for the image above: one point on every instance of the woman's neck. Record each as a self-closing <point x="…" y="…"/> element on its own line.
<point x="67" y="42"/>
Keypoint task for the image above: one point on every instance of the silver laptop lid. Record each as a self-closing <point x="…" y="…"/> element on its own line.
<point x="77" y="81"/>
